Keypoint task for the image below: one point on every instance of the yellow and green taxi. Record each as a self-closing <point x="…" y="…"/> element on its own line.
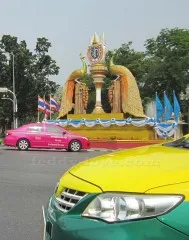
<point x="137" y="194"/>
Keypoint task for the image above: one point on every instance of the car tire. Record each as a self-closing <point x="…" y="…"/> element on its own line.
<point x="74" y="146"/>
<point x="23" y="144"/>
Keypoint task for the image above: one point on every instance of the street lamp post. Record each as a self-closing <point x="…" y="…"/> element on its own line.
<point x="6" y="98"/>
<point x="13" y="75"/>
<point x="13" y="88"/>
<point x="14" y="101"/>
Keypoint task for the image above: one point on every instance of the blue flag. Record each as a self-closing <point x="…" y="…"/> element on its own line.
<point x="168" y="108"/>
<point x="176" y="107"/>
<point x="159" y="108"/>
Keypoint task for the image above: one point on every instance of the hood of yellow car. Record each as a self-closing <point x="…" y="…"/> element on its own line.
<point x="136" y="170"/>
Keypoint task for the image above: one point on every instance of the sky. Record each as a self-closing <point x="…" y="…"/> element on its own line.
<point x="70" y="24"/>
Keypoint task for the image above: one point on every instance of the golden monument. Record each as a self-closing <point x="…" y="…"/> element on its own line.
<point x="126" y="96"/>
<point x="123" y="95"/>
<point x="81" y="92"/>
<point x="96" y="55"/>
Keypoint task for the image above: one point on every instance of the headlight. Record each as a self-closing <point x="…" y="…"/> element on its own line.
<point x="56" y="188"/>
<point x="85" y="138"/>
<point x="113" y="207"/>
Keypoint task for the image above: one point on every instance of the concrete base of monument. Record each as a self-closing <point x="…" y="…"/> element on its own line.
<point x="114" y="132"/>
<point x="115" y="145"/>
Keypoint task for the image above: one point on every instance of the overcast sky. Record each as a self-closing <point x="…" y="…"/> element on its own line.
<point x="69" y="24"/>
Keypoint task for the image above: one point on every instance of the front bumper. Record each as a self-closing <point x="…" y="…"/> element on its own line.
<point x="72" y="226"/>
<point x="86" y="144"/>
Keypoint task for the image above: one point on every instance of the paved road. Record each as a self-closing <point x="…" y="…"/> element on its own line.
<point x="27" y="179"/>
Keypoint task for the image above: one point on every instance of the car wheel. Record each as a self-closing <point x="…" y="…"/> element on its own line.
<point x="23" y="144"/>
<point x="74" y="146"/>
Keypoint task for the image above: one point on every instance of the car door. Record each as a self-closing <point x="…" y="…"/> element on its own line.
<point x="56" y="137"/>
<point x="36" y="135"/>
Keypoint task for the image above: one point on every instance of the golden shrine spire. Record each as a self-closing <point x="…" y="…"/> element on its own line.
<point x="95" y="39"/>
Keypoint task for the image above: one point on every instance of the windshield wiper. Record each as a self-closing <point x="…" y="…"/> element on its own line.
<point x="183" y="144"/>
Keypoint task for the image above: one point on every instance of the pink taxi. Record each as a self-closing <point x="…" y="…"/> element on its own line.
<point x="43" y="135"/>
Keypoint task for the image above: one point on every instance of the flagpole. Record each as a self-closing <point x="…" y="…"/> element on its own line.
<point x="156" y="107"/>
<point x="45" y="107"/>
<point x="38" y="110"/>
<point x="165" y="108"/>
<point x="50" y="106"/>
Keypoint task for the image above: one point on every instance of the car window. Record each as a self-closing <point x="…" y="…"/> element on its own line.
<point x="35" y="128"/>
<point x="54" y="129"/>
<point x="22" y="128"/>
<point x="180" y="143"/>
<point x="62" y="129"/>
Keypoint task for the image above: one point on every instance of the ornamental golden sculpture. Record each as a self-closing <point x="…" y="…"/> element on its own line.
<point x="123" y="94"/>
<point x="68" y="92"/>
<point x="129" y="93"/>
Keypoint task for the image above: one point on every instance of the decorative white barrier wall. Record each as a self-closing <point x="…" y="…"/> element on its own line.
<point x="163" y="130"/>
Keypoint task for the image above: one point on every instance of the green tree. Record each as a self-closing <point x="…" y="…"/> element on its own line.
<point x="32" y="74"/>
<point x="168" y="54"/>
<point x="58" y="94"/>
<point x="126" y="56"/>
<point x="169" y="57"/>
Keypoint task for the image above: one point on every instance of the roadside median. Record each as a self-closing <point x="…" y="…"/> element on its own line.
<point x="120" y="144"/>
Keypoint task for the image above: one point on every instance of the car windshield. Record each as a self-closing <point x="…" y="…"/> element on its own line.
<point x="180" y="143"/>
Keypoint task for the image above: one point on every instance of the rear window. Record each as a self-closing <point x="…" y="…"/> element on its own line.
<point x="35" y="128"/>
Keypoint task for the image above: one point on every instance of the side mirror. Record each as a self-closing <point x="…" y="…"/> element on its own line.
<point x="63" y="133"/>
<point x="186" y="145"/>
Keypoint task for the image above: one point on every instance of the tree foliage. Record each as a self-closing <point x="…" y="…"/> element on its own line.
<point x="168" y="70"/>
<point x="32" y="75"/>
<point x="163" y="66"/>
<point x="134" y="60"/>
<point x="168" y="54"/>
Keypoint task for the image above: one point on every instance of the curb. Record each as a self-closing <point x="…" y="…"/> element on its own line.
<point x="84" y="150"/>
<point x="100" y="150"/>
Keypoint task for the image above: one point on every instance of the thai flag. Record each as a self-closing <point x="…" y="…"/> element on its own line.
<point x="54" y="105"/>
<point x="47" y="110"/>
<point x="41" y="104"/>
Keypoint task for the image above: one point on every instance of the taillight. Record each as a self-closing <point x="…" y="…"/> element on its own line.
<point x="9" y="133"/>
